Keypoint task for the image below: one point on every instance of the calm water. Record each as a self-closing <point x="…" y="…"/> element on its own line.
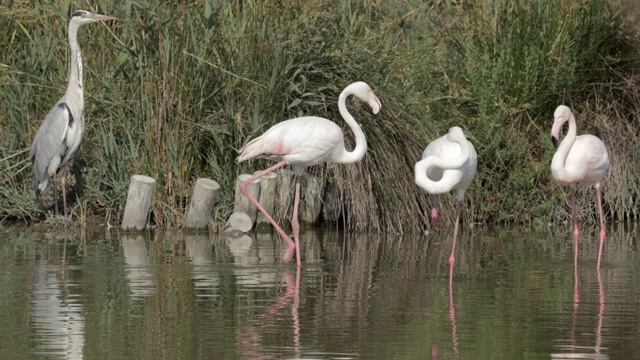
<point x="516" y="295"/>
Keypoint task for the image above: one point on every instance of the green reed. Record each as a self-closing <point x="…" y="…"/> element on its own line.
<point x="173" y="90"/>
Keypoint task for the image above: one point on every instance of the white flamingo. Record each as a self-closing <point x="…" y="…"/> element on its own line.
<point x="578" y="159"/>
<point x="448" y="163"/>
<point x="303" y="142"/>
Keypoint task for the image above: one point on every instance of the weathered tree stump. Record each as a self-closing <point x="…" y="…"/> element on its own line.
<point x="203" y="199"/>
<point x="332" y="202"/>
<point x="238" y="222"/>
<point x="241" y="202"/>
<point x="268" y="193"/>
<point x="139" y="200"/>
<point x="284" y="198"/>
<point x="311" y="206"/>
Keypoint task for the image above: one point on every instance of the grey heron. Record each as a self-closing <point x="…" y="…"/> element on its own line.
<point x="61" y="132"/>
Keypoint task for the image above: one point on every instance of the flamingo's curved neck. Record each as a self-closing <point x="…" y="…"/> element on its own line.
<point x="558" y="162"/>
<point x="423" y="166"/>
<point x="348" y="157"/>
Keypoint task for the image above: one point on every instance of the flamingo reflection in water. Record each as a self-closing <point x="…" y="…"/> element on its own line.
<point x="250" y="337"/>
<point x="572" y="350"/>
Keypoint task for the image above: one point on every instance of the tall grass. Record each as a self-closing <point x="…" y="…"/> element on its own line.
<point x="173" y="89"/>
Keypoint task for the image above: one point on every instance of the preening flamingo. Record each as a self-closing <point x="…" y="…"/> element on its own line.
<point x="448" y="163"/>
<point x="303" y="142"/>
<point x="578" y="159"/>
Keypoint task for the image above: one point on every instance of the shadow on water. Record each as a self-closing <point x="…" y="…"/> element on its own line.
<point x="97" y="294"/>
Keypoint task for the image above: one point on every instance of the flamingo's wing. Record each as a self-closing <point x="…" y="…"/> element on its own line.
<point x="306" y="140"/>
<point x="588" y="159"/>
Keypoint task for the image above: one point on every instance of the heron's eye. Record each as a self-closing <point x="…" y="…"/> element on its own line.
<point x="79" y="13"/>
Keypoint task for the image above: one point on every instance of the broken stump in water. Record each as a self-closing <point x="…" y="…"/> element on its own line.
<point x="203" y="199"/>
<point x="139" y="200"/>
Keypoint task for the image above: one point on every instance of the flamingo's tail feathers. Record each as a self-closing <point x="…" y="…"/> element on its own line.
<point x="250" y="150"/>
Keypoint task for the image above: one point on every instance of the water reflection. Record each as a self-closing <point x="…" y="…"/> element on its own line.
<point x="56" y="310"/>
<point x="137" y="269"/>
<point x="514" y="293"/>
<point x="573" y="350"/>
<point x="200" y="252"/>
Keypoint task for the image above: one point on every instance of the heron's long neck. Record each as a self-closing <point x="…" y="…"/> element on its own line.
<point x="75" y="63"/>
<point x="348" y="157"/>
<point x="559" y="158"/>
<point x="423" y="166"/>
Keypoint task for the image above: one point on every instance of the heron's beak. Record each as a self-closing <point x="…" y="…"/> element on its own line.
<point x="554" y="140"/>
<point x="99" y="17"/>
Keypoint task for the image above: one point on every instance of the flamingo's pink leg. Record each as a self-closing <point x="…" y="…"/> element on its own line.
<point x="294" y="314"/>
<point x="452" y="256"/>
<point x="603" y="232"/>
<point x="294" y="221"/>
<point x="574" y="210"/>
<point x="243" y="187"/>
<point x="452" y="260"/>
<point x="434" y="217"/>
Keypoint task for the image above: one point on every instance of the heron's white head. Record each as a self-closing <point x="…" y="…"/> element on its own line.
<point x="456" y="134"/>
<point x="363" y="92"/>
<point x="560" y="116"/>
<point x="81" y="17"/>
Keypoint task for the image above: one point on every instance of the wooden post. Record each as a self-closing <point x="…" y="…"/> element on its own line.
<point x="312" y="195"/>
<point x="284" y="199"/>
<point x="139" y="199"/>
<point x="242" y="203"/>
<point x="203" y="199"/>
<point x="332" y="203"/>
<point x="268" y="187"/>
<point x="238" y="222"/>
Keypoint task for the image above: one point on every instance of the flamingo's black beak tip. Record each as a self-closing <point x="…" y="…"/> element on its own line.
<point x="554" y="141"/>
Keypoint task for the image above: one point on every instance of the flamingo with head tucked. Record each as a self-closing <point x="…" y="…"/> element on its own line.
<point x="303" y="142"/>
<point x="578" y="159"/>
<point x="448" y="163"/>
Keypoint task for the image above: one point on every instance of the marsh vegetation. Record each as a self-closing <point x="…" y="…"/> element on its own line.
<point x="174" y="88"/>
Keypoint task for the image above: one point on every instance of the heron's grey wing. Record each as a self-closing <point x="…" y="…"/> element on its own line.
<point x="49" y="146"/>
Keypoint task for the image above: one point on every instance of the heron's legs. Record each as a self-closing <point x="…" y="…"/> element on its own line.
<point x="64" y="194"/>
<point x="243" y="187"/>
<point x="55" y="194"/>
